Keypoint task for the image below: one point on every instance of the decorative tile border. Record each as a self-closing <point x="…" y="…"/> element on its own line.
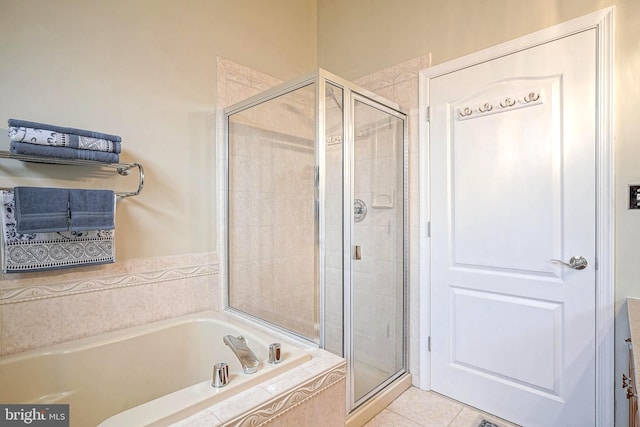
<point x="282" y="404"/>
<point x="71" y="287"/>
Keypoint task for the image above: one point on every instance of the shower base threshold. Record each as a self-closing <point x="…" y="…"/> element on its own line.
<point x="376" y="404"/>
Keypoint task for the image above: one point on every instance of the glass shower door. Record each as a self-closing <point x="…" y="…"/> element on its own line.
<point x="378" y="238"/>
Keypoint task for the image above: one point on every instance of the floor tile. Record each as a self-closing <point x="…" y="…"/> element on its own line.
<point x="426" y="408"/>
<point x="470" y="417"/>
<point x="418" y="408"/>
<point x="388" y="418"/>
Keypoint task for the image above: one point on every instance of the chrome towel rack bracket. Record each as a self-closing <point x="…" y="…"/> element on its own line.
<point x="123" y="169"/>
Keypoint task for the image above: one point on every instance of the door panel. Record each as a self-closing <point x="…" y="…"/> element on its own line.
<point x="538" y="356"/>
<point x="490" y="184"/>
<point x="512" y="187"/>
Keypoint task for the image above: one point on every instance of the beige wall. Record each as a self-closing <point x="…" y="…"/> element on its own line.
<point x="145" y="70"/>
<point x="357" y="37"/>
<point x="361" y="36"/>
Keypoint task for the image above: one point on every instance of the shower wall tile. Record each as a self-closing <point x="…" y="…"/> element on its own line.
<point x="262" y="208"/>
<point x="414" y="190"/>
<point x="414" y="134"/>
<point x="241" y="208"/>
<point x="240" y="244"/>
<point x="269" y="160"/>
<point x="364" y="81"/>
<point x="295" y="270"/>
<point x="236" y="82"/>
<point x="251" y="278"/>
<point x="407" y="70"/>
<point x="381" y="79"/>
<point x="241" y="176"/>
<point x="406" y="95"/>
<point x="263" y="244"/>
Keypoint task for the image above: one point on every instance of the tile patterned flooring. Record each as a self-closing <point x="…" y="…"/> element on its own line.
<point x="418" y="408"/>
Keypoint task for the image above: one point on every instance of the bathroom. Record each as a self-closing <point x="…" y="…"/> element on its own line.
<point x="159" y="73"/>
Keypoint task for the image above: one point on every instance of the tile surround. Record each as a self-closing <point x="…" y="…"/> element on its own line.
<point x="41" y="309"/>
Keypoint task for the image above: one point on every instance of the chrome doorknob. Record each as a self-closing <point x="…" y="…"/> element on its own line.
<point x="576" y="262"/>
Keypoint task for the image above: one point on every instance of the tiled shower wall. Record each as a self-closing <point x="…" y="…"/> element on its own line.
<point x="271" y="211"/>
<point x="41" y="309"/>
<point x="398" y="83"/>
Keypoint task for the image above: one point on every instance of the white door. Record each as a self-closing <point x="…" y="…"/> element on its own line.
<point x="512" y="161"/>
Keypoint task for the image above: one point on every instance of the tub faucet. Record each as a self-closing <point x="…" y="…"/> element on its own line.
<point x="247" y="358"/>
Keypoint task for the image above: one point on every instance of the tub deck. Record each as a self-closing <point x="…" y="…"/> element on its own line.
<point x="155" y="373"/>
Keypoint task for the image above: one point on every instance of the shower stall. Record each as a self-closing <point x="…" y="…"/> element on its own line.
<point x="317" y="222"/>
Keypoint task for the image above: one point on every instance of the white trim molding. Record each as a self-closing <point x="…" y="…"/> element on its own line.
<point x="603" y="22"/>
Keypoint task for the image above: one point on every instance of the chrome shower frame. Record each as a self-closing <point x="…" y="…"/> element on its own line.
<point x="351" y="94"/>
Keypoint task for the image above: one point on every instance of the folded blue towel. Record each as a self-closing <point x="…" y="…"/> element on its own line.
<point x="62" y="152"/>
<point x="57" y="139"/>
<point x="86" y="143"/>
<point x="62" y="129"/>
<point x="92" y="209"/>
<point x="41" y="210"/>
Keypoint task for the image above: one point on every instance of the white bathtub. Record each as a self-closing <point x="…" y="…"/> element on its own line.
<point x="147" y="375"/>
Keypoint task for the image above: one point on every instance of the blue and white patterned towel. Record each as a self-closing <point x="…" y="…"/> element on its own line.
<point x="63" y="129"/>
<point x="23" y="253"/>
<point x="57" y="139"/>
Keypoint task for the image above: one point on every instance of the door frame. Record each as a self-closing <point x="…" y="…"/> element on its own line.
<point x="603" y="22"/>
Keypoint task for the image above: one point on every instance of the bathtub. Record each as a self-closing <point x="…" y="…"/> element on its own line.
<point x="153" y="374"/>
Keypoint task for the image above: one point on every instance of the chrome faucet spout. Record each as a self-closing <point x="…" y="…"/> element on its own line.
<point x="247" y="358"/>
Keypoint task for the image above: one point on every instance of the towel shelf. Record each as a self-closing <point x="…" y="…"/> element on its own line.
<point x="123" y="169"/>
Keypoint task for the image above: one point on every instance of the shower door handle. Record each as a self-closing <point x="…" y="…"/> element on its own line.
<point x="357" y="253"/>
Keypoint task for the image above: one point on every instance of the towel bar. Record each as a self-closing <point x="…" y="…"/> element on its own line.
<point x="123" y="169"/>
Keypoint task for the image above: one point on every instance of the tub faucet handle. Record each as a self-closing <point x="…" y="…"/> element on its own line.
<point x="220" y="375"/>
<point x="275" y="353"/>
